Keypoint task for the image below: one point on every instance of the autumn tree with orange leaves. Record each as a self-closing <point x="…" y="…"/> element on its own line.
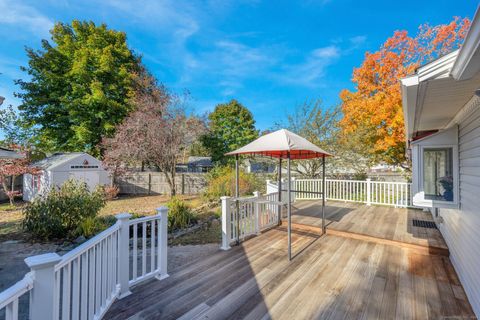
<point x="373" y="111"/>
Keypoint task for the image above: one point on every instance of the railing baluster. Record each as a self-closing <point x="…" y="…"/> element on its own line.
<point x="11" y="311"/>
<point x="75" y="288"/>
<point x="135" y="253"/>
<point x="66" y="292"/>
<point x="84" y="279"/>
<point x="104" y="273"/>
<point x="98" y="277"/>
<point x="152" y="246"/>
<point x="91" y="284"/>
<point x="144" y="248"/>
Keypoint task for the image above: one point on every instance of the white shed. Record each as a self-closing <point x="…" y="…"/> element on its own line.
<point x="59" y="167"/>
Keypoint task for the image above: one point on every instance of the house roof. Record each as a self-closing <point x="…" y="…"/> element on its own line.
<point x="10" y="154"/>
<point x="441" y="88"/>
<point x="279" y="144"/>
<point x="59" y="158"/>
<point x="200" y="161"/>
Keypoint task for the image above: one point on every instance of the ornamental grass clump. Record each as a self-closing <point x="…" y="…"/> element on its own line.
<point x="64" y="212"/>
<point x="180" y="215"/>
<point x="221" y="182"/>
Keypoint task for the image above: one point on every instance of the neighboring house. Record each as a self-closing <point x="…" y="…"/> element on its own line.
<point x="196" y="164"/>
<point x="259" y="166"/>
<point x="59" y="167"/>
<point x="9" y="154"/>
<point x="441" y="103"/>
<point x="383" y="167"/>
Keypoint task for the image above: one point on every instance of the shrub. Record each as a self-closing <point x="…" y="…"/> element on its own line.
<point x="221" y="182"/>
<point x="111" y="192"/>
<point x="89" y="227"/>
<point x="180" y="214"/>
<point x="59" y="213"/>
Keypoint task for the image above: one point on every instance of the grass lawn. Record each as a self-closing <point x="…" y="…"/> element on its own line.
<point x="11" y="220"/>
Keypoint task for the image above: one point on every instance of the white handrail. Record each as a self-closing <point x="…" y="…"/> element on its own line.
<point x="9" y="297"/>
<point x="397" y="194"/>
<point x="87" y="280"/>
<point x="75" y="253"/>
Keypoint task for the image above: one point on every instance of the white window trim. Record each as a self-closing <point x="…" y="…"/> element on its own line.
<point x="419" y="198"/>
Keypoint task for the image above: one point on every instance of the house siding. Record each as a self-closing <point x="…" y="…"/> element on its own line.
<point x="461" y="226"/>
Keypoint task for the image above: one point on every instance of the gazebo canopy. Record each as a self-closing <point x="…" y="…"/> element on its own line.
<point x="283" y="144"/>
<point x="279" y="144"/>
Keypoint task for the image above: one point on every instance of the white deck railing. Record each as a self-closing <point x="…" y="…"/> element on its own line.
<point x="247" y="216"/>
<point x="84" y="283"/>
<point x="397" y="194"/>
<point x="9" y="298"/>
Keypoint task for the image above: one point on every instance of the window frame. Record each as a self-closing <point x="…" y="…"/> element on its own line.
<point x="455" y="174"/>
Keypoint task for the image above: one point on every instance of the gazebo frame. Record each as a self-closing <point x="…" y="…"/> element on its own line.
<point x="283" y="144"/>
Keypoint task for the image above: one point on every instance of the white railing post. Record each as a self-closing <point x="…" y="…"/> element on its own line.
<point x="226" y="223"/>
<point x="124" y="253"/>
<point x="163" y="243"/>
<point x="369" y="192"/>
<point x="257" y="213"/>
<point x="43" y="296"/>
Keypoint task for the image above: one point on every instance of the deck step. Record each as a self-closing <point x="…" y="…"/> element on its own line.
<point x="423" y="249"/>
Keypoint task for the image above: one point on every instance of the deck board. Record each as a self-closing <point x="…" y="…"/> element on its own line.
<point x="332" y="277"/>
<point x="378" y="221"/>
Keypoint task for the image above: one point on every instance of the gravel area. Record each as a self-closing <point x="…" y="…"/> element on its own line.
<point x="13" y="268"/>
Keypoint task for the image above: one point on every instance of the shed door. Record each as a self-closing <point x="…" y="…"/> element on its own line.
<point x="91" y="178"/>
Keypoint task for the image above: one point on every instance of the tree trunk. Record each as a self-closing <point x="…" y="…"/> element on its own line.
<point x="12" y="197"/>
<point x="174" y="187"/>
<point x="170" y="181"/>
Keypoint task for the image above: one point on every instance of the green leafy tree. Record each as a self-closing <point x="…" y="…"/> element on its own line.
<point x="321" y="126"/>
<point x="231" y="126"/>
<point x="78" y="87"/>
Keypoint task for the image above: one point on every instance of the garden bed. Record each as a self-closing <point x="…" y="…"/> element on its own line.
<point x="11" y="220"/>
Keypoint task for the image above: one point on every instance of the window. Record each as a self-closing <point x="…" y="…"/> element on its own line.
<point x="36" y="183"/>
<point x="84" y="167"/>
<point x="438" y="175"/>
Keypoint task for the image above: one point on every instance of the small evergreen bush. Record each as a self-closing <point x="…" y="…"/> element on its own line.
<point x="61" y="212"/>
<point x="180" y="215"/>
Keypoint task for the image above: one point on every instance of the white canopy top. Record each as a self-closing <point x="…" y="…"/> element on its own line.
<point x="279" y="144"/>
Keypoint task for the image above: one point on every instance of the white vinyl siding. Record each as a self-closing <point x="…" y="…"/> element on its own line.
<point x="461" y="227"/>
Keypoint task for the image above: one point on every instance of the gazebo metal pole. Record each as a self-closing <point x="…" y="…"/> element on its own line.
<point x="280" y="190"/>
<point x="237" y="195"/>
<point x="289" y="210"/>
<point x="323" y="194"/>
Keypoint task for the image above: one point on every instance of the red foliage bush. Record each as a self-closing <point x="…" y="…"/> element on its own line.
<point x="111" y="192"/>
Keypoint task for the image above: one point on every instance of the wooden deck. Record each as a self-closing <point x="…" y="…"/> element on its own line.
<point x="331" y="277"/>
<point x="387" y="223"/>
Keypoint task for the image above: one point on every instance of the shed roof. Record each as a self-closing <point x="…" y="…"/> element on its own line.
<point x="57" y="159"/>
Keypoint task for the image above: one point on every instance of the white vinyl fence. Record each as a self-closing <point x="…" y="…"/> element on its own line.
<point x="397" y="194"/>
<point x="84" y="283"/>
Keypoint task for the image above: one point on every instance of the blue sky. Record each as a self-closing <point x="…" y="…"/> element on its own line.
<point x="269" y="55"/>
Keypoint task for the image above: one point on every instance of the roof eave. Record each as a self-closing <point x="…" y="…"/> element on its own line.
<point x="409" y="87"/>
<point x="465" y="65"/>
